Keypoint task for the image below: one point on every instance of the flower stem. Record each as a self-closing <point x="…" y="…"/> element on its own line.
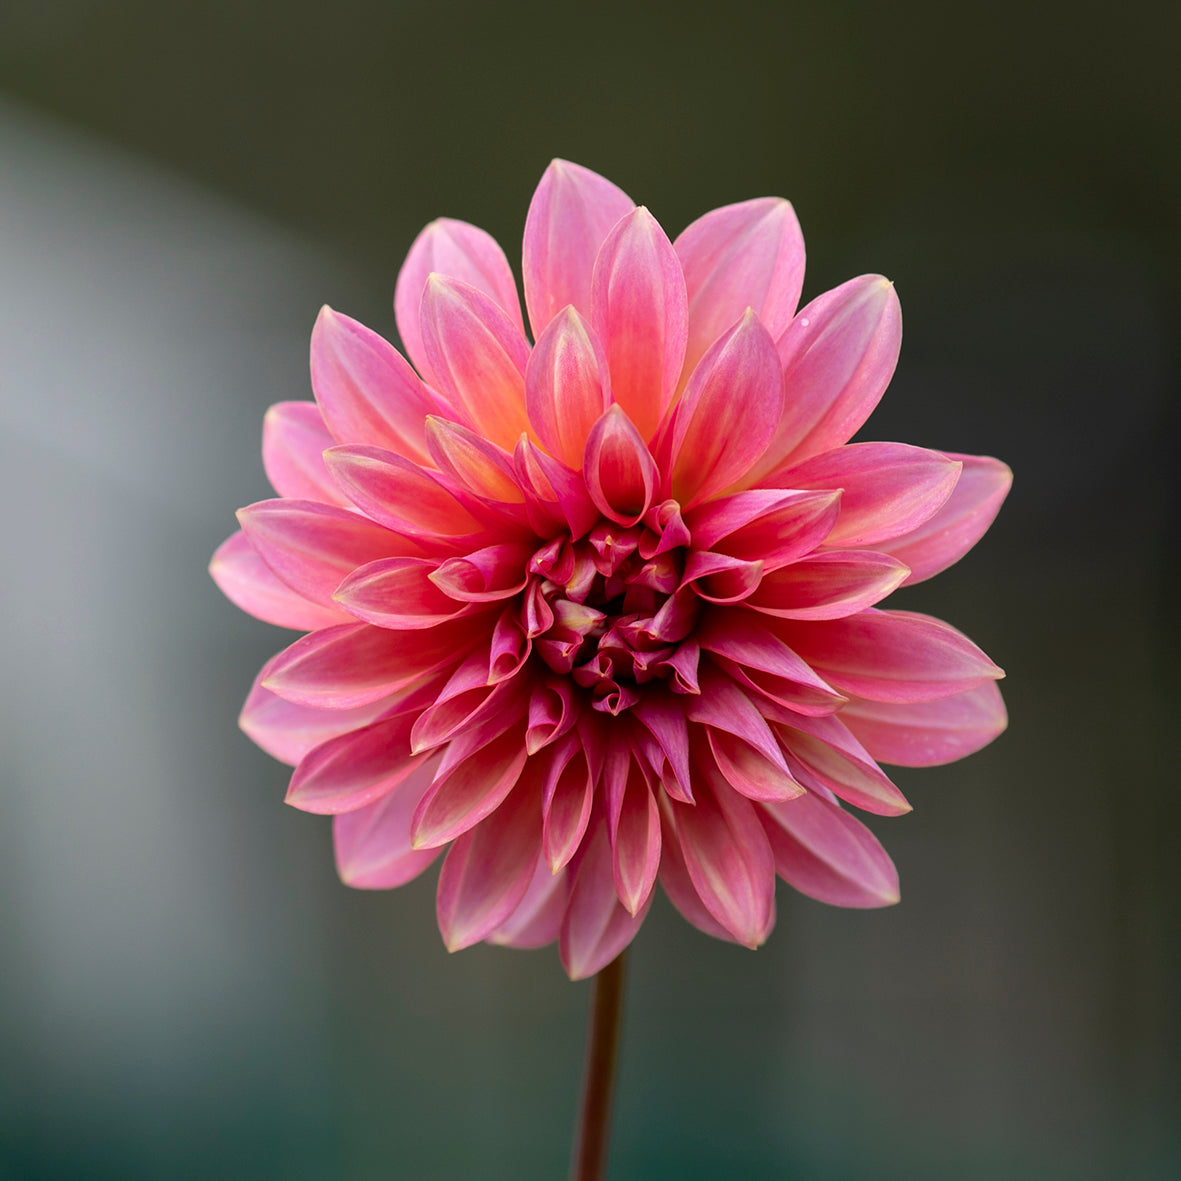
<point x="589" y="1162"/>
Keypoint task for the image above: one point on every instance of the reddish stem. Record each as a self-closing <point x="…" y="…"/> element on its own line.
<point x="589" y="1162"/>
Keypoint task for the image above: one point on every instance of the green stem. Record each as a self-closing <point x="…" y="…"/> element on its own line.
<point x="589" y="1162"/>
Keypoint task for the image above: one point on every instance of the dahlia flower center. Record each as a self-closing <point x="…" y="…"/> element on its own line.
<point x="610" y="611"/>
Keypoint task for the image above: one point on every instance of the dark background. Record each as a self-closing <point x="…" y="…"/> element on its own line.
<point x="186" y="989"/>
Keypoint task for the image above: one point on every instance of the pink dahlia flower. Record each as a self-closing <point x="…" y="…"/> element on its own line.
<point x="602" y="610"/>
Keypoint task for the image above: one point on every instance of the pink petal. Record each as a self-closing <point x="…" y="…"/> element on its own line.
<point x="366" y="390"/>
<point x="828" y="585"/>
<point x="566" y="388"/>
<point x="663" y="717"/>
<point x="928" y="733"/>
<point x="828" y="854"/>
<point x="477" y="355"/>
<point x="401" y="495"/>
<point x="459" y="251"/>
<point x="757" y="659"/>
<point x="619" y="470"/>
<point x="720" y="578"/>
<point x="311" y="546"/>
<point x="596" y="926"/>
<point x="467" y="788"/>
<point x="748" y="770"/>
<point x="633" y="822"/>
<point x="465" y="701"/>
<point x="566" y="803"/>
<point x="678" y="885"/>
<point x="555" y="496"/>
<point x="824" y="748"/>
<point x="482" y="468"/>
<point x="373" y="850"/>
<point x="248" y="582"/>
<point x="569" y="218"/>
<point x="749" y="255"/>
<point x="838" y="357"/>
<point x="287" y="731"/>
<point x="895" y="656"/>
<point x="741" y="740"/>
<point x="767" y="525"/>
<point x="728" y="415"/>
<point x="538" y="917"/>
<point x="887" y="489"/>
<point x="350" y="666"/>
<point x="494" y="572"/>
<point x="640" y="313"/>
<point x="963" y="519"/>
<point x="553" y="711"/>
<point x="398" y="593"/>
<point x="510" y="646"/>
<point x="487" y="870"/>
<point x="728" y="858"/>
<point x="294" y="439"/>
<point x="354" y="769"/>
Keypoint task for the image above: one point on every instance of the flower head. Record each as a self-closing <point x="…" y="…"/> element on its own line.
<point x="603" y="610"/>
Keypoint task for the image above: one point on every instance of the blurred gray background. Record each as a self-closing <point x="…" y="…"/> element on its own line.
<point x="186" y="991"/>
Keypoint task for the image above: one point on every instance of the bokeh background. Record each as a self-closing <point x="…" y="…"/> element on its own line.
<point x="186" y="989"/>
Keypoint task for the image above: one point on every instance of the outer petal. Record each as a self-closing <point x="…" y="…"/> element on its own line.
<point x="569" y="218"/>
<point x="746" y="752"/>
<point x="468" y="698"/>
<point x="397" y="593"/>
<point x="828" y="585"/>
<point x="401" y="495"/>
<point x="662" y="716"/>
<point x="478" y="466"/>
<point x="769" y="525"/>
<point x="476" y="774"/>
<point x="745" y="255"/>
<point x="823" y="749"/>
<point x="294" y="439"/>
<point x="640" y="313"/>
<point x="287" y="731"/>
<point x="828" y="854"/>
<point x="373" y="850"/>
<point x="928" y="733"/>
<point x="965" y="516"/>
<point x="729" y="413"/>
<point x="248" y="582"/>
<point x="366" y="390"/>
<point x="459" y="251"/>
<point x="566" y="803"/>
<point x="354" y="769"/>
<point x="729" y="860"/>
<point x="566" y="386"/>
<point x="756" y="658"/>
<point x="311" y="546"/>
<point x="678" y="885"/>
<point x="487" y="870"/>
<point x="354" y="665"/>
<point x="596" y="926"/>
<point x="838" y="356"/>
<point x="633" y="822"/>
<point x="538" y="917"/>
<point x="887" y="489"/>
<point x="477" y="355"/>
<point x="897" y="656"/>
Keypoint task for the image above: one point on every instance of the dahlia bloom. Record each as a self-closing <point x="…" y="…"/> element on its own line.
<point x="602" y="610"/>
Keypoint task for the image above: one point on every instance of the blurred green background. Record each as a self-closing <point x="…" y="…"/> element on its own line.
<point x="186" y="990"/>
